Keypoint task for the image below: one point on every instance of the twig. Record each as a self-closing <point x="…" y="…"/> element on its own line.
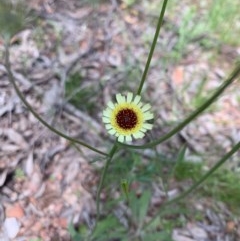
<point x="76" y="112"/>
<point x="111" y="154"/>
<point x="235" y="73"/>
<point x="12" y="80"/>
<point x="197" y="184"/>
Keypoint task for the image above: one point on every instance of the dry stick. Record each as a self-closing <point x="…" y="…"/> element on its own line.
<point x="159" y="24"/>
<point x="111" y="154"/>
<point x="197" y="184"/>
<point x="20" y="95"/>
<point x="114" y="148"/>
<point x="193" y="115"/>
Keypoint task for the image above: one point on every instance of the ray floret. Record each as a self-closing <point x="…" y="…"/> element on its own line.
<point x="127" y="118"/>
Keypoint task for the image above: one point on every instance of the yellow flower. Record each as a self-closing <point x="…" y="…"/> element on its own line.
<point x="127" y="117"/>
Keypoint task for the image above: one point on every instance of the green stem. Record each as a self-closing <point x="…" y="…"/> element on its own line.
<point x="159" y="24"/>
<point x="198" y="183"/>
<point x="111" y="154"/>
<point x="192" y="116"/>
<point x="20" y="95"/>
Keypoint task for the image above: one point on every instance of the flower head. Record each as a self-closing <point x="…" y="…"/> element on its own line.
<point x="127" y="117"/>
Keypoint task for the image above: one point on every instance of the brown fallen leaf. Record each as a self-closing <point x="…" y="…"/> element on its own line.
<point x="9" y="148"/>
<point x="230" y="226"/>
<point x="178" y="75"/>
<point x="15" y="211"/>
<point x="15" y="137"/>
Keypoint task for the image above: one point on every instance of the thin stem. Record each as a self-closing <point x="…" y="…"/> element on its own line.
<point x="20" y="95"/>
<point x="159" y="24"/>
<point x="192" y="116"/>
<point x="111" y="154"/>
<point x="198" y="183"/>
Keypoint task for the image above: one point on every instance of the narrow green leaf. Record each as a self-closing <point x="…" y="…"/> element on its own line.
<point x="197" y="183"/>
<point x="134" y="206"/>
<point x="125" y="188"/>
<point x="73" y="233"/>
<point x="143" y="206"/>
<point x="181" y="154"/>
<point x="163" y="236"/>
<point x="105" y="226"/>
<point x="235" y="73"/>
<point x="179" y="159"/>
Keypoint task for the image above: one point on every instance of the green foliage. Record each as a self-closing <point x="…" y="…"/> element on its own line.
<point x="163" y="235"/>
<point x="76" y="236"/>
<point x="120" y="168"/>
<point x="108" y="229"/>
<point x="19" y="174"/>
<point x="200" y="96"/>
<point x="223" y="19"/>
<point x="125" y="188"/>
<point x="45" y="28"/>
<point x="188" y="170"/>
<point x="93" y="3"/>
<point x="224" y="186"/>
<point x="179" y="160"/>
<point x="209" y="25"/>
<point x="80" y="95"/>
<point x="189" y="29"/>
<point x="139" y="207"/>
<point x="129" y="3"/>
<point x="13" y="17"/>
<point x="130" y="72"/>
<point x="130" y="165"/>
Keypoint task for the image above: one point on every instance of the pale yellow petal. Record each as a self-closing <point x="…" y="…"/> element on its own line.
<point x="146" y="107"/>
<point x="105" y="119"/>
<point x="129" y="138"/>
<point x="107" y="112"/>
<point x="120" y="98"/>
<point x="121" y="138"/>
<point x="147" y="126"/>
<point x="112" y="132"/>
<point x="110" y="105"/>
<point x="138" y="135"/>
<point x="108" y="126"/>
<point x="137" y="99"/>
<point x="148" y="116"/>
<point x="141" y="110"/>
<point x="129" y="97"/>
<point x="140" y="104"/>
<point x="143" y="130"/>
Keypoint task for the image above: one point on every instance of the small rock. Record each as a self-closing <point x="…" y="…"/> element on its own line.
<point x="11" y="227"/>
<point x="3" y="237"/>
<point x="198" y="233"/>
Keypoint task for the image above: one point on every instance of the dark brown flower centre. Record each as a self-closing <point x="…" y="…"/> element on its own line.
<point x="126" y="119"/>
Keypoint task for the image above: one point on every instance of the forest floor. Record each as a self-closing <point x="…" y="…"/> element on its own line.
<point x="68" y="66"/>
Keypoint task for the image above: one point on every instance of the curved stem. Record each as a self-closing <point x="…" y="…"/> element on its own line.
<point x="198" y="183"/>
<point x="111" y="154"/>
<point x="192" y="116"/>
<point x="159" y="24"/>
<point x="20" y="95"/>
